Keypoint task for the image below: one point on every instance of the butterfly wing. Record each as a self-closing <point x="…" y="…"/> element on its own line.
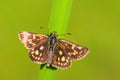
<point x="73" y="50"/>
<point x="38" y="54"/>
<point x="37" y="45"/>
<point x="30" y="40"/>
<point x="60" y="58"/>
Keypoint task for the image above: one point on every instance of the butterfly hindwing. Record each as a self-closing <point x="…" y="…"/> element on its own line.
<point x="73" y="50"/>
<point x="38" y="53"/>
<point x="60" y="58"/>
<point x="30" y="40"/>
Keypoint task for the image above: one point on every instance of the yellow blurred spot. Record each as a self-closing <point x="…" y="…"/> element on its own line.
<point x="60" y="52"/>
<point x="34" y="37"/>
<point x="73" y="46"/>
<point x="58" y="58"/>
<point x="79" y="47"/>
<point x="40" y="54"/>
<point x="35" y="57"/>
<point x="67" y="60"/>
<point x="36" y="52"/>
<point x="58" y="63"/>
<point x="74" y="53"/>
<point x="38" y="58"/>
<point x="41" y="48"/>
<point x="63" y="58"/>
<point x="69" y="53"/>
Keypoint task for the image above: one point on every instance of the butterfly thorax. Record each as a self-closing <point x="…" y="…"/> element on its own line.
<point x="52" y="43"/>
<point x="53" y="40"/>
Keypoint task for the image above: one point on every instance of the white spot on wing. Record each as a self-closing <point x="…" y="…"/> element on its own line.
<point x="60" y="52"/>
<point x="36" y="52"/>
<point x="42" y="47"/>
<point x="38" y="58"/>
<point x="40" y="54"/>
<point x="67" y="60"/>
<point x="63" y="58"/>
<point x="79" y="47"/>
<point x="73" y="46"/>
<point x="58" y="58"/>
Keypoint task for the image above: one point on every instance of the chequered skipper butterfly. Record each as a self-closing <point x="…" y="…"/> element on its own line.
<point x="52" y="51"/>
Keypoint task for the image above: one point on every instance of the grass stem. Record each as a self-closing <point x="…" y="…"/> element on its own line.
<point x="58" y="23"/>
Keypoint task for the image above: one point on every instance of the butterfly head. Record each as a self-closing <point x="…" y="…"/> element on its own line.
<point x="53" y="35"/>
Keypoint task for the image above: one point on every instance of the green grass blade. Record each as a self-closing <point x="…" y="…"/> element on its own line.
<point x="58" y="23"/>
<point x="60" y="16"/>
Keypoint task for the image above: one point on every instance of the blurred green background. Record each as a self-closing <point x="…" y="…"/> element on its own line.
<point x="93" y="23"/>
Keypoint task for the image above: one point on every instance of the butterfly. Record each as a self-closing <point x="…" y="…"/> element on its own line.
<point x="50" y="50"/>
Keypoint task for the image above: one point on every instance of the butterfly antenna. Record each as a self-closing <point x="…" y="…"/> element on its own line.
<point x="65" y="34"/>
<point x="68" y="33"/>
<point x="41" y="27"/>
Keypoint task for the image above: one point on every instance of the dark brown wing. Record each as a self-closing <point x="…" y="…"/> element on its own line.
<point x="60" y="58"/>
<point x="31" y="40"/>
<point x="37" y="44"/>
<point x="38" y="54"/>
<point x="73" y="50"/>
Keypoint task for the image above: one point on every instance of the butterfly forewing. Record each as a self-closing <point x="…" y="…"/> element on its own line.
<point x="30" y="40"/>
<point x="73" y="50"/>
<point x="60" y="58"/>
<point x="37" y="45"/>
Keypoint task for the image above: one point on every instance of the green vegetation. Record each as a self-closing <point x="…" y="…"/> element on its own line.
<point x="58" y="23"/>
